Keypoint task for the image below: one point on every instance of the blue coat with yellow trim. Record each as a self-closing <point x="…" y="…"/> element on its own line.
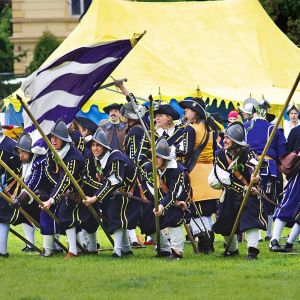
<point x="254" y="215"/>
<point x="103" y="180"/>
<point x="9" y="156"/>
<point x="144" y="156"/>
<point x="63" y="191"/>
<point x="174" y="184"/>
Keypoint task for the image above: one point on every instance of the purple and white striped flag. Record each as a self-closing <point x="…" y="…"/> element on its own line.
<point x="60" y="89"/>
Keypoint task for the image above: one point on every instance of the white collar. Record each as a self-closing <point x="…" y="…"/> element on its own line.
<point x="27" y="168"/>
<point x="172" y="164"/>
<point x="170" y="131"/>
<point x="2" y="137"/>
<point x="103" y="160"/>
<point x="63" y="152"/>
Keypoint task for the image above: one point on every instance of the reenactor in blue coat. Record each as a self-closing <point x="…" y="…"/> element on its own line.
<point x="110" y="174"/>
<point x="233" y="168"/>
<point x="258" y="131"/>
<point x="8" y="215"/>
<point x="63" y="199"/>
<point x="33" y="174"/>
<point x="174" y="192"/>
<point x="288" y="212"/>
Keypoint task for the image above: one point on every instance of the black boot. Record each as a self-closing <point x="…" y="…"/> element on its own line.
<point x="212" y="240"/>
<point x="275" y="246"/>
<point x="230" y="253"/>
<point x="175" y="255"/>
<point x="204" y="243"/>
<point x="288" y="247"/>
<point x="252" y="253"/>
<point x="4" y="255"/>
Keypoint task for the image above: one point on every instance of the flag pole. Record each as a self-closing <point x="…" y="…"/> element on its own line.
<point x="256" y="171"/>
<point x="63" y="165"/>
<point x="154" y="172"/>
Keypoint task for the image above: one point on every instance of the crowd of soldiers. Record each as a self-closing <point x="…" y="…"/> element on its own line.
<point x="203" y="173"/>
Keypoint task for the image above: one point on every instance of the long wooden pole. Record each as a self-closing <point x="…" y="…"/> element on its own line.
<point x="257" y="169"/>
<point x="154" y="172"/>
<point x="62" y="164"/>
<point x="31" y="219"/>
<point x="30" y="192"/>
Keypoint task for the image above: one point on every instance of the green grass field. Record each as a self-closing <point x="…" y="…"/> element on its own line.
<point x="272" y="276"/>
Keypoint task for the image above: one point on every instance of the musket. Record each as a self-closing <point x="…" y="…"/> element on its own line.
<point x="257" y="169"/>
<point x="63" y="165"/>
<point x="131" y="196"/>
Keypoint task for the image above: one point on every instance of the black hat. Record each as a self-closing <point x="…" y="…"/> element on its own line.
<point x="236" y="132"/>
<point x="112" y="106"/>
<point x="87" y="123"/>
<point x="167" y="109"/>
<point x="195" y="104"/>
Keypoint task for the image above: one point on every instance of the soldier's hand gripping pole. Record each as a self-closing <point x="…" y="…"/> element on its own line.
<point x="154" y="172"/>
<point x="256" y="171"/>
<point x="60" y="161"/>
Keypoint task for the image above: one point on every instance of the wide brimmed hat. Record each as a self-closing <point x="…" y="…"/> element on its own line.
<point x="112" y="106"/>
<point x="167" y="109"/>
<point x="87" y="123"/>
<point x="195" y="104"/>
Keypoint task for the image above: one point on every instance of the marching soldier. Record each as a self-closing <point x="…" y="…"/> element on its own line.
<point x="258" y="131"/>
<point x="63" y="199"/>
<point x="8" y="215"/>
<point x="33" y="174"/>
<point x="197" y="149"/>
<point x="174" y="191"/>
<point x="290" y="205"/>
<point x="165" y="115"/>
<point x="108" y="172"/>
<point x="233" y="168"/>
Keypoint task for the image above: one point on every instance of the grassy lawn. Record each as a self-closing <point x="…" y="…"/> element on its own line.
<point x="272" y="276"/>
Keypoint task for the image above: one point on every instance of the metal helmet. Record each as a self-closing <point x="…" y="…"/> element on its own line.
<point x="236" y="132"/>
<point x="163" y="149"/>
<point x="264" y="104"/>
<point x="249" y="106"/>
<point x="128" y="111"/>
<point x="24" y="142"/>
<point x="60" y="130"/>
<point x="101" y="138"/>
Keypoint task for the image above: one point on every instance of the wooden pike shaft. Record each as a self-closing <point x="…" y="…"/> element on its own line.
<point x="73" y="180"/>
<point x="256" y="171"/>
<point x="154" y="172"/>
<point x="31" y="219"/>
<point x="30" y="192"/>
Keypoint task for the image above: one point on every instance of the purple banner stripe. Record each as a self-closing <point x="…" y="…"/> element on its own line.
<point x="89" y="55"/>
<point x="68" y="113"/>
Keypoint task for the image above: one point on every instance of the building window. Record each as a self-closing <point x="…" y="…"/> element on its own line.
<point x="78" y="7"/>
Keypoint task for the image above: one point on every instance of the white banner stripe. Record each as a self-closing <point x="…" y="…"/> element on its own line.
<point x="49" y="101"/>
<point x="34" y="85"/>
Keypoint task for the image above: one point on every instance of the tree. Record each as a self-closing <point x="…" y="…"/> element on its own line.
<point x="6" y="49"/>
<point x="42" y="50"/>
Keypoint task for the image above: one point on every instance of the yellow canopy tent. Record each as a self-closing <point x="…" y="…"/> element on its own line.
<point x="223" y="50"/>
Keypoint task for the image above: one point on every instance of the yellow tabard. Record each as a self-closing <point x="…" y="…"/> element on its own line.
<point x="199" y="175"/>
